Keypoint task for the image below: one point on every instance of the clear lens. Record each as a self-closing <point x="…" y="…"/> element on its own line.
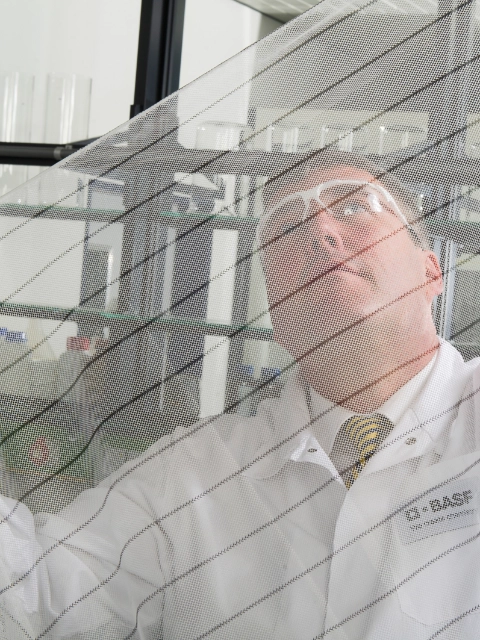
<point x="349" y="200"/>
<point x="343" y="201"/>
<point x="285" y="218"/>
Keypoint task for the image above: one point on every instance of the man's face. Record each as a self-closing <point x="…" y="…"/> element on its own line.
<point x="349" y="258"/>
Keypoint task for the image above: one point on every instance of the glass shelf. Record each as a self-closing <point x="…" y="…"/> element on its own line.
<point x="168" y="218"/>
<point x="170" y="323"/>
<point x="463" y="232"/>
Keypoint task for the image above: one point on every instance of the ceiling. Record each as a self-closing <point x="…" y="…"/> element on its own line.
<point x="282" y="10"/>
<point x="285" y="10"/>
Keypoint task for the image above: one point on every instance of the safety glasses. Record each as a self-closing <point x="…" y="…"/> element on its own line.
<point x="344" y="200"/>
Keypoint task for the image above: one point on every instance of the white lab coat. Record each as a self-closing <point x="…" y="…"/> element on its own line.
<point x="241" y="528"/>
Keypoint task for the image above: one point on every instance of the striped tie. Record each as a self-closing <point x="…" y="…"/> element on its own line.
<point x="366" y="432"/>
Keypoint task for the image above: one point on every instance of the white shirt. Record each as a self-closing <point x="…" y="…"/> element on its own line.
<point x="239" y="528"/>
<point x="331" y="416"/>
<point x="394" y="408"/>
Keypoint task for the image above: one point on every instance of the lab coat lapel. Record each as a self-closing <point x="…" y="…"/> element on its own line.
<point x="310" y="526"/>
<point x="289" y="474"/>
<point x="279" y="485"/>
<point x="420" y="430"/>
<point x="303" y="601"/>
<point x="440" y="402"/>
<point x="358" y="571"/>
<point x="286" y="426"/>
<point x="363" y="529"/>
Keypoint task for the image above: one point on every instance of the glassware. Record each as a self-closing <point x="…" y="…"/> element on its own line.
<point x="288" y="139"/>
<point x="222" y="136"/>
<point x="393" y="137"/>
<point x="343" y="136"/>
<point x="16" y="101"/>
<point x="67" y="113"/>
<point x="67" y="108"/>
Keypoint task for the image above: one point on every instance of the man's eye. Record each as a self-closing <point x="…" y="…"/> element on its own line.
<point x="352" y="209"/>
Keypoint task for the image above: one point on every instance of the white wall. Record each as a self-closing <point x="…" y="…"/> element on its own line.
<point x="94" y="38"/>
<point x="216" y="30"/>
<point x="99" y="39"/>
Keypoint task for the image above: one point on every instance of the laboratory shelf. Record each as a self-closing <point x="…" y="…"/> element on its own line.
<point x="167" y="218"/>
<point x="464" y="232"/>
<point x="121" y="161"/>
<point x="113" y="320"/>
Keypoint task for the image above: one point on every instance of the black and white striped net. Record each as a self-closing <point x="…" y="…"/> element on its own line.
<point x="193" y="307"/>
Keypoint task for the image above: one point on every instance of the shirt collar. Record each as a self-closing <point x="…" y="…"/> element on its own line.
<point x="325" y="430"/>
<point x="290" y="427"/>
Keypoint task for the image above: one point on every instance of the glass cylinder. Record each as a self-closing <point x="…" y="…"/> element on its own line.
<point x="288" y="139"/>
<point x="16" y="103"/>
<point x="393" y="137"/>
<point x="343" y="137"/>
<point x="67" y="108"/>
<point x="221" y="136"/>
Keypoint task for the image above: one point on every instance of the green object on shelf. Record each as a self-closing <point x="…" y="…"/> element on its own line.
<point x="43" y="450"/>
<point x="128" y="443"/>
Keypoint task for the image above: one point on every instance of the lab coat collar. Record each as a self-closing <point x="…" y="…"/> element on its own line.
<point x="291" y="438"/>
<point x="423" y="425"/>
<point x="287" y="422"/>
<point x="437" y="406"/>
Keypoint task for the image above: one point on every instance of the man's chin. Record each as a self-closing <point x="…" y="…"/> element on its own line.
<point x="318" y="318"/>
<point x="310" y="332"/>
<point x="336" y="312"/>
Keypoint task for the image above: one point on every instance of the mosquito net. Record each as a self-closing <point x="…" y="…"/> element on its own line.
<point x="238" y="346"/>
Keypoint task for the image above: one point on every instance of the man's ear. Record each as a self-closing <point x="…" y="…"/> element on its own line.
<point x="433" y="273"/>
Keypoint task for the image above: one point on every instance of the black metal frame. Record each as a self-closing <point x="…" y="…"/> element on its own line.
<point x="159" y="52"/>
<point x="38" y="154"/>
<point x="158" y="74"/>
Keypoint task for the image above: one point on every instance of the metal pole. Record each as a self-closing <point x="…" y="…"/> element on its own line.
<point x="453" y="100"/>
<point x="159" y="52"/>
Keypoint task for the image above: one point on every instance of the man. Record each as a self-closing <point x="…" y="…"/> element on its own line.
<point x="347" y="509"/>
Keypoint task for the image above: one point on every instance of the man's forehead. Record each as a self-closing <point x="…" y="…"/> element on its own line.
<point x="322" y="174"/>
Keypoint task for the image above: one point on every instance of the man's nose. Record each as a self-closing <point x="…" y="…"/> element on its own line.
<point x="324" y="235"/>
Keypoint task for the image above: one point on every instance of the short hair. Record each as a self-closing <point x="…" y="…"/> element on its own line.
<point x="407" y="199"/>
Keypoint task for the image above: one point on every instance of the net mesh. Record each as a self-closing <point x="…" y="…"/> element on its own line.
<point x="238" y="376"/>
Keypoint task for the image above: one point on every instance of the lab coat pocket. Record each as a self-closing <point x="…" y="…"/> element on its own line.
<point x="436" y="541"/>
